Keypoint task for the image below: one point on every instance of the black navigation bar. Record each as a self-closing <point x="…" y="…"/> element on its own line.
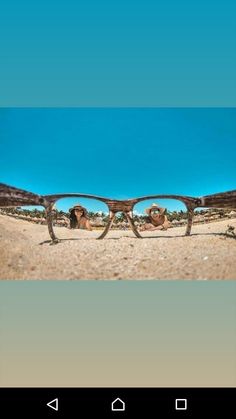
<point x="117" y="402"/>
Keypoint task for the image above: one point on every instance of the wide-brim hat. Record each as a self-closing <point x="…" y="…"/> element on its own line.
<point x="153" y="207"/>
<point x="78" y="206"/>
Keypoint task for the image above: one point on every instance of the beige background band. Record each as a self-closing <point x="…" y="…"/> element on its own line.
<point x="119" y="333"/>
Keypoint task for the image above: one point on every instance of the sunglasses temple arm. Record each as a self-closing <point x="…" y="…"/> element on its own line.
<point x="190" y="220"/>
<point x="49" y="223"/>
<point x="220" y="200"/>
<point x="108" y="226"/>
<point x="132" y="225"/>
<point x="13" y="197"/>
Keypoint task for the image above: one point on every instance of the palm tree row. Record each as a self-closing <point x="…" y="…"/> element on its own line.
<point x="120" y="217"/>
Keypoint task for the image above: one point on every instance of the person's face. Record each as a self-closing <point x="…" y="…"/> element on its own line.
<point x="78" y="213"/>
<point x="155" y="214"/>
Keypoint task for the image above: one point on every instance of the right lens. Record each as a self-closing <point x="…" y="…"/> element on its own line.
<point x="160" y="217"/>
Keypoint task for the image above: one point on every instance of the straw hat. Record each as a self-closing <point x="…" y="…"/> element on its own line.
<point x="78" y="206"/>
<point x="155" y="207"/>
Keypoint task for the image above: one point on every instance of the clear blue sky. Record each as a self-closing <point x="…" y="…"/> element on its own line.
<point x="119" y="152"/>
<point x="118" y="53"/>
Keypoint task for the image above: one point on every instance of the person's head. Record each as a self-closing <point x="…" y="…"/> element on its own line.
<point x="155" y="211"/>
<point x="79" y="212"/>
<point x="76" y="213"/>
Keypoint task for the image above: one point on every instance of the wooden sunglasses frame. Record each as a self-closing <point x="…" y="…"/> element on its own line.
<point x="14" y="197"/>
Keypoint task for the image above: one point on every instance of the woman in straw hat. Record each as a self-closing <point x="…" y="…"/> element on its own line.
<point x="157" y="220"/>
<point x="79" y="218"/>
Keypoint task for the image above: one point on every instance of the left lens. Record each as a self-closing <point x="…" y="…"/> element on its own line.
<point x="78" y="218"/>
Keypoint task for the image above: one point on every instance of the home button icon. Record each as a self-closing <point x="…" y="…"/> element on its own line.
<point x="118" y="405"/>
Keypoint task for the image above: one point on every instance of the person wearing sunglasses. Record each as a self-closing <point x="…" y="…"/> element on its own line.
<point x="157" y="220"/>
<point x="79" y="218"/>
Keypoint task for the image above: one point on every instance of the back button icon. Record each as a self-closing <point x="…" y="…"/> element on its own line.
<point x="53" y="404"/>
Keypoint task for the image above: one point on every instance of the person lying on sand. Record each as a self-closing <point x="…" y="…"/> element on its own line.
<point x="79" y="218"/>
<point x="157" y="220"/>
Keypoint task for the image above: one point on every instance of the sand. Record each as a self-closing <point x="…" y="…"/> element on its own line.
<point x="26" y="253"/>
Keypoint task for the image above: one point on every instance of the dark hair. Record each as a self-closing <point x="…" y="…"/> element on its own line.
<point x="73" y="219"/>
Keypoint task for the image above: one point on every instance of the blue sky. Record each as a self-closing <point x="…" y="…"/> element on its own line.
<point x="117" y="53"/>
<point x="119" y="153"/>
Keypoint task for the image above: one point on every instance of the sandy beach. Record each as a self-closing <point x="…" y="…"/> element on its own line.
<point x="26" y="253"/>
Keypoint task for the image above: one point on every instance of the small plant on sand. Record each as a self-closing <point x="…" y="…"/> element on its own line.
<point x="230" y="231"/>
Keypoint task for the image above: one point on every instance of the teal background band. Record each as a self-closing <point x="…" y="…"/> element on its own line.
<point x="122" y="333"/>
<point x="118" y="53"/>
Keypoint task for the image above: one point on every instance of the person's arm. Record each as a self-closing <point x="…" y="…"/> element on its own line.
<point x="88" y="225"/>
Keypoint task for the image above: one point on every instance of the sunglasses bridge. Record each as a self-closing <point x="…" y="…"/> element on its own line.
<point x="126" y="208"/>
<point x="121" y="206"/>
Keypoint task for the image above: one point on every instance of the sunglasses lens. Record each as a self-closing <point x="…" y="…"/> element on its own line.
<point x="160" y="217"/>
<point x="78" y="218"/>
